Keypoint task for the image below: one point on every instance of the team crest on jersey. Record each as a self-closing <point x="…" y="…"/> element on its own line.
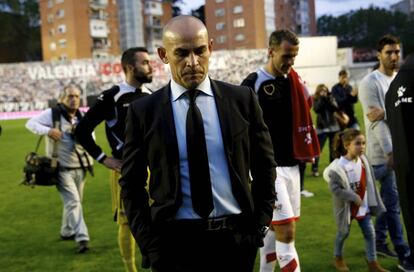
<point x="269" y="89"/>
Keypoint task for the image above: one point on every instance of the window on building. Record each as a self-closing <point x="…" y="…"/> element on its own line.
<point x="59" y="1"/>
<point x="60" y="13"/>
<point x="239" y="37"/>
<point x="219" y="1"/>
<point x="49" y="3"/>
<point x="50" y="18"/>
<point x="221" y="39"/>
<point x="62" y="43"/>
<point x="155" y="21"/>
<point x="238" y="9"/>
<point x="219" y="12"/>
<point x="157" y="34"/>
<point x="220" y="26"/>
<point x="61" y="29"/>
<point x="52" y="46"/>
<point x="239" y="22"/>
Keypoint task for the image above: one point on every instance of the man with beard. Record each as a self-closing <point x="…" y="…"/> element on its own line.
<point x="372" y="92"/>
<point x="112" y="106"/>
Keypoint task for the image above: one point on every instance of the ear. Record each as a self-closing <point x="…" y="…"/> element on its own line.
<point x="162" y="54"/>
<point x="210" y="45"/>
<point x="129" y="67"/>
<point x="346" y="145"/>
<point x="270" y="52"/>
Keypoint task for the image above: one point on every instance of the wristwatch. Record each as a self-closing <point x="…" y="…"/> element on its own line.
<point x="263" y="230"/>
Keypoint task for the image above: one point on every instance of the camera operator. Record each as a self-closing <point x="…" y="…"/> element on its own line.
<point x="73" y="162"/>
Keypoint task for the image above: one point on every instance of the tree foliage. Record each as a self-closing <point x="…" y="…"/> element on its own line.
<point x="363" y="28"/>
<point x="20" y="39"/>
<point x="199" y="13"/>
<point x="176" y="10"/>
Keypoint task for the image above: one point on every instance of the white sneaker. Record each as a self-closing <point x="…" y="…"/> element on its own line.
<point x="305" y="193"/>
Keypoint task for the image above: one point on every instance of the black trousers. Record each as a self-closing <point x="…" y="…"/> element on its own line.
<point x="188" y="248"/>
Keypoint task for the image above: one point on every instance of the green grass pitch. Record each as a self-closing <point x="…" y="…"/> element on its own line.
<point x="30" y="219"/>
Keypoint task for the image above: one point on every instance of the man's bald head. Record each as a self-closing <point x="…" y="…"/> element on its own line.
<point x="187" y="49"/>
<point x="185" y="26"/>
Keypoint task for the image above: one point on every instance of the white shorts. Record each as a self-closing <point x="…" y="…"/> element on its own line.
<point x="287" y="203"/>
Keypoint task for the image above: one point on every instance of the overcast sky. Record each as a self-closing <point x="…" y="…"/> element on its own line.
<point x="332" y="7"/>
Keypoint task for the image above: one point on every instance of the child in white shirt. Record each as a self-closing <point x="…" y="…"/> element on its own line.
<point x="351" y="181"/>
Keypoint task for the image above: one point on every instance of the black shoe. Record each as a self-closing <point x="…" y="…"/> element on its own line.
<point x="67" y="238"/>
<point x="83" y="247"/>
<point x="384" y="251"/>
<point x="405" y="265"/>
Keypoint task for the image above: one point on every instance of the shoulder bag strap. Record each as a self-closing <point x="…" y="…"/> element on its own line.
<point x="38" y="143"/>
<point x="56" y="124"/>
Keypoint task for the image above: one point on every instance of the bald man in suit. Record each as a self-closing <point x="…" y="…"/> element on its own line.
<point x="200" y="139"/>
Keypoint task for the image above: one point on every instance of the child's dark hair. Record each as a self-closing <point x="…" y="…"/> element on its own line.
<point x="341" y="139"/>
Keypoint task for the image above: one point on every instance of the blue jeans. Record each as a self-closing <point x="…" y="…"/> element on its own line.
<point x="367" y="229"/>
<point x="390" y="220"/>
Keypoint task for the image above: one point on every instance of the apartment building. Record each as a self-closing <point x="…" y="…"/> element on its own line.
<point x="131" y="23"/>
<point x="141" y="22"/>
<point x="156" y="15"/>
<point x="76" y="29"/>
<point x="296" y="15"/>
<point x="405" y="6"/>
<point x="246" y="24"/>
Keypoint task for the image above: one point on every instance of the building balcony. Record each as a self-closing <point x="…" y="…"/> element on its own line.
<point x="98" y="4"/>
<point x="100" y="48"/>
<point x="98" y="16"/>
<point x="153" y="23"/>
<point x="102" y="45"/>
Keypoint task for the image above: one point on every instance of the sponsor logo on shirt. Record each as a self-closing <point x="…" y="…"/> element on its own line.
<point x="401" y="98"/>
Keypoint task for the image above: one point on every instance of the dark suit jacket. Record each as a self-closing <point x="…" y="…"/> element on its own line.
<point x="399" y="105"/>
<point x="151" y="141"/>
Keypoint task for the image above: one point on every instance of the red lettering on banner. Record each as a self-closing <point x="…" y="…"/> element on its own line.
<point x="110" y="68"/>
<point x="105" y="69"/>
<point x="116" y="68"/>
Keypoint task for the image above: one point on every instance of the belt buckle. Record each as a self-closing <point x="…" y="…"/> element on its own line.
<point x="216" y="224"/>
